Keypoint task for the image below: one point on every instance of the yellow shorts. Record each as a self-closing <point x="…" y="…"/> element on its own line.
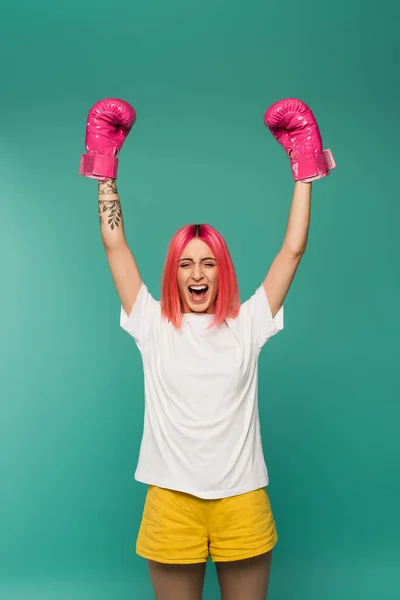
<point x="178" y="528"/>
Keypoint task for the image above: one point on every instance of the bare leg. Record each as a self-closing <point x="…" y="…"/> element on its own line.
<point x="245" y="579"/>
<point x="177" y="582"/>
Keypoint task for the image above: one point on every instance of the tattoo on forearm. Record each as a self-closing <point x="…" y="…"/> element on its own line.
<point x="114" y="213"/>
<point x="112" y="207"/>
<point x="108" y="187"/>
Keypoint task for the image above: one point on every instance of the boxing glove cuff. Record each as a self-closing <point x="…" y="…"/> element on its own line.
<point x="310" y="168"/>
<point x="98" y="166"/>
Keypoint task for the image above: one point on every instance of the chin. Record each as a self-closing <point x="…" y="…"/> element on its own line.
<point x="199" y="309"/>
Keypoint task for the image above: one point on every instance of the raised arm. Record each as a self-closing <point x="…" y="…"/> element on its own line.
<point x="124" y="270"/>
<point x="285" y="264"/>
<point x="108" y="124"/>
<point x="294" y="126"/>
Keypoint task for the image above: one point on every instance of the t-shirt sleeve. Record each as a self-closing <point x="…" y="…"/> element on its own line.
<point x="257" y="311"/>
<point x="146" y="312"/>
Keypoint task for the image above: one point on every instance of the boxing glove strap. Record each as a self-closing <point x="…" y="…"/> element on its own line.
<point x="310" y="168"/>
<point x="99" y="166"/>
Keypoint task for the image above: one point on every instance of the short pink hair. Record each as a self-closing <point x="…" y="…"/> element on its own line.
<point x="227" y="303"/>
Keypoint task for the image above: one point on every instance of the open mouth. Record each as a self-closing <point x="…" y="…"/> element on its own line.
<point x="198" y="292"/>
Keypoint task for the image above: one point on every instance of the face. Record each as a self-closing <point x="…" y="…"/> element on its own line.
<point x="198" y="277"/>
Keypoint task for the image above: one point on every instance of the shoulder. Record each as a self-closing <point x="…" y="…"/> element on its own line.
<point x="146" y="312"/>
<point x="255" y="318"/>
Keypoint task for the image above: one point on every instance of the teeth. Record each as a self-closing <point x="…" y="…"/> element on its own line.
<point x="198" y="287"/>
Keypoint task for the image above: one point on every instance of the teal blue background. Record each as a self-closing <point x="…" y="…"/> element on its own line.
<point x="200" y="76"/>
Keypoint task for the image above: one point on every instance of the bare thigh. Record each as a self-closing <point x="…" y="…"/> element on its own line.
<point x="177" y="582"/>
<point x="245" y="579"/>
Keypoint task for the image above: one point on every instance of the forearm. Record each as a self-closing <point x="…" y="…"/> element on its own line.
<point x="122" y="264"/>
<point x="110" y="214"/>
<point x="298" y="224"/>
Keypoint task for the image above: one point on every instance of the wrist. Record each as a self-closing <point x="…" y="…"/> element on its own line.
<point x="303" y="184"/>
<point x="107" y="190"/>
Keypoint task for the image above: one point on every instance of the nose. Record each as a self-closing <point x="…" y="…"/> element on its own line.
<point x="197" y="273"/>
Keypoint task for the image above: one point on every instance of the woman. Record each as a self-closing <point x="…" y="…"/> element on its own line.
<point x="201" y="452"/>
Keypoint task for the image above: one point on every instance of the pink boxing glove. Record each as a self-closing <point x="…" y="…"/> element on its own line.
<point x="293" y="124"/>
<point x="108" y="124"/>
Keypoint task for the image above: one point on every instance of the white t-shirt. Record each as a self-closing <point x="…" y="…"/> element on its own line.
<point x="201" y="424"/>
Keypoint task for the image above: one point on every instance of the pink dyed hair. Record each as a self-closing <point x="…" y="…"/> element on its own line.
<point x="227" y="303"/>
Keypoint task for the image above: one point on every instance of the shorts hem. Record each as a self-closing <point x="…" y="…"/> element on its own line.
<point x="250" y="554"/>
<point x="171" y="561"/>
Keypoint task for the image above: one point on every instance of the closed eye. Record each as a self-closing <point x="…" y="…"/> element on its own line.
<point x="186" y="265"/>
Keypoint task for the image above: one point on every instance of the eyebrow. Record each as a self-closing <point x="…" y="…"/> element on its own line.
<point x="202" y="260"/>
